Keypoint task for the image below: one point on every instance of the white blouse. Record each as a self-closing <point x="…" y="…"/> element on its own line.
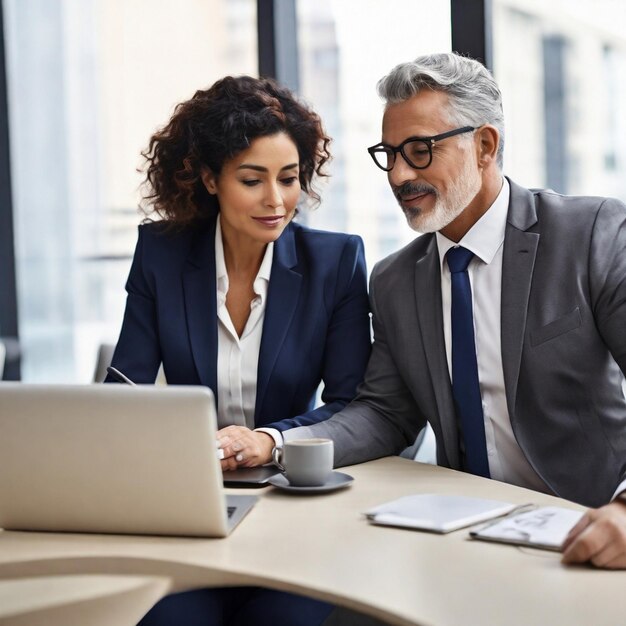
<point x="238" y="357"/>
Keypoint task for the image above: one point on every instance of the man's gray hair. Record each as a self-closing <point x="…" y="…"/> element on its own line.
<point x="474" y="96"/>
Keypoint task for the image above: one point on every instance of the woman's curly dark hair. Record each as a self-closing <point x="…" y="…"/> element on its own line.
<point x="214" y="126"/>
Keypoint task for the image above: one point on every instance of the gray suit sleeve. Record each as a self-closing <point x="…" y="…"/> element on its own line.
<point x="383" y="419"/>
<point x="607" y="275"/>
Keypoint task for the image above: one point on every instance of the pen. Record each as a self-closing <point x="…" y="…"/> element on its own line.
<point x="119" y="376"/>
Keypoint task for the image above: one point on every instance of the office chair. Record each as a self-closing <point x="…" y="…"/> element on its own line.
<point x="103" y="360"/>
<point x="3" y="352"/>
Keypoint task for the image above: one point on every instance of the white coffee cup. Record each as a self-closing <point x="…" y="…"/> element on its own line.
<point x="305" y="462"/>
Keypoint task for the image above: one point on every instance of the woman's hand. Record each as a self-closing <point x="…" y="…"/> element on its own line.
<point x="244" y="447"/>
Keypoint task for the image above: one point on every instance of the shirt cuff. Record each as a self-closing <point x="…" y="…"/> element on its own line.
<point x="620" y="492"/>
<point x="300" y="432"/>
<point x="274" y="434"/>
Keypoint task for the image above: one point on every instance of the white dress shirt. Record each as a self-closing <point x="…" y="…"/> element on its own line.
<point x="486" y="240"/>
<point x="238" y="357"/>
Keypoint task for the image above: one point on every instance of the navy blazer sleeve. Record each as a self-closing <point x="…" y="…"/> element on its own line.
<point x="346" y="338"/>
<point x="137" y="353"/>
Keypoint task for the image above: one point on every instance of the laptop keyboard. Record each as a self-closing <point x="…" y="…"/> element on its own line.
<point x="230" y="511"/>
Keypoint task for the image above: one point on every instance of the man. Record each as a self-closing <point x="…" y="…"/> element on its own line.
<point x="505" y="325"/>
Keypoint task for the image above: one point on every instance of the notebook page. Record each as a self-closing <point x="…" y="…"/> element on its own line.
<point x="544" y="527"/>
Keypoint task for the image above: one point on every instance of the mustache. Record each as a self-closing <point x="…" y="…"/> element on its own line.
<point x="412" y="189"/>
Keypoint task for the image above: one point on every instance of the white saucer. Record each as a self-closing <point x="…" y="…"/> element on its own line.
<point x="337" y="480"/>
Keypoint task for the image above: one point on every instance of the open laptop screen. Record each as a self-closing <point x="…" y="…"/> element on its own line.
<point x="112" y="459"/>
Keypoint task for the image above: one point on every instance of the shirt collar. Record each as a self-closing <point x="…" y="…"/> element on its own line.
<point x="263" y="276"/>
<point x="486" y="236"/>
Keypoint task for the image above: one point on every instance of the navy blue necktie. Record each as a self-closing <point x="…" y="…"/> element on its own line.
<point x="465" y="388"/>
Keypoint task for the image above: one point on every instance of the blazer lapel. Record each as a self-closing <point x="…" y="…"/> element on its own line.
<point x="430" y="318"/>
<point x="199" y="287"/>
<point x="520" y="250"/>
<point x="282" y="300"/>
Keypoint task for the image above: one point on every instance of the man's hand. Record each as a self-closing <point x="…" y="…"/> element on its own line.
<point x="244" y="447"/>
<point x="599" y="537"/>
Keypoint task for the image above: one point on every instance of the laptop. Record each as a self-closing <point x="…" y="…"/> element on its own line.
<point x="113" y="459"/>
<point x="250" y="477"/>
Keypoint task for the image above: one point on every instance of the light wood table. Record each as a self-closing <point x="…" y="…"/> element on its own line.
<point x="78" y="600"/>
<point x="322" y="546"/>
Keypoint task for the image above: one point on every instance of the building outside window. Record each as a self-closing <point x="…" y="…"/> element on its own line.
<point x="345" y="48"/>
<point x="562" y="69"/>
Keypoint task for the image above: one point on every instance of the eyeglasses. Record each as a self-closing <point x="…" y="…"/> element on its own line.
<point x="416" y="151"/>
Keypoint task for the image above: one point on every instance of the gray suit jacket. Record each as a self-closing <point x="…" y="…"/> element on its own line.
<point x="563" y="327"/>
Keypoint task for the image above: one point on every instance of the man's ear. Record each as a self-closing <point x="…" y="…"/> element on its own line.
<point x="488" y="142"/>
<point x="209" y="180"/>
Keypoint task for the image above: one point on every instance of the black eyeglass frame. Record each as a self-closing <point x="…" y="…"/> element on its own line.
<point x="429" y="142"/>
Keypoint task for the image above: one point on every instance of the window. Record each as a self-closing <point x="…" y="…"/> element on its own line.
<point x="345" y="48"/>
<point x="89" y="81"/>
<point x="562" y="70"/>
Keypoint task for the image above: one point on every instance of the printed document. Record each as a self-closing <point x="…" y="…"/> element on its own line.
<point x="543" y="527"/>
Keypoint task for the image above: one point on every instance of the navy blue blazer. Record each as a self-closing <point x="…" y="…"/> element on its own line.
<point x="316" y="325"/>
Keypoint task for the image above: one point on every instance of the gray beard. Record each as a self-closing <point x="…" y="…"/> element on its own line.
<point x="447" y="209"/>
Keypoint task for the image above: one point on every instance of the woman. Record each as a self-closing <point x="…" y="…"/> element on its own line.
<point x="227" y="291"/>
